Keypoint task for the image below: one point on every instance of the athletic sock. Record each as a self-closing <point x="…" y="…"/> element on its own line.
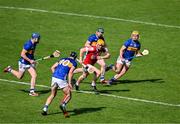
<point x="63" y="104"/>
<point x="32" y="90"/>
<point x="93" y="84"/>
<point x="77" y="84"/>
<point x="10" y="70"/>
<point x="45" y="108"/>
<point x="102" y="78"/>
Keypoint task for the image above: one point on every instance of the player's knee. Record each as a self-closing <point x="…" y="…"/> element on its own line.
<point x="34" y="75"/>
<point x="117" y="71"/>
<point x="68" y="94"/>
<point x="98" y="74"/>
<point x="103" y="65"/>
<point x="19" y="76"/>
<point x="84" y="76"/>
<point x="53" y="95"/>
<point x="123" y="71"/>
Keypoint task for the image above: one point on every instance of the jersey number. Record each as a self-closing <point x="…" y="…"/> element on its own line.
<point x="66" y="63"/>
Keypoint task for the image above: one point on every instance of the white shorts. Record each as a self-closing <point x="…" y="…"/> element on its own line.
<point x="60" y="83"/>
<point x="122" y="62"/>
<point x="23" y="67"/>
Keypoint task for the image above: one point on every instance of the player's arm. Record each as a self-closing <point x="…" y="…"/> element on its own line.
<point x="138" y="53"/>
<point x="84" y="49"/>
<point x="87" y="44"/>
<point x="54" y="67"/>
<point x="23" y="55"/>
<point x="89" y="41"/>
<point x="121" y="52"/>
<point x="70" y="76"/>
<point x="106" y="54"/>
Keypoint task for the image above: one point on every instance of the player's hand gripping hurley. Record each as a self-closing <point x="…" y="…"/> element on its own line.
<point x="86" y="67"/>
<point x="145" y="52"/>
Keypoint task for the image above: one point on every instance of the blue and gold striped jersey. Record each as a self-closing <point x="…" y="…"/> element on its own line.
<point x="62" y="70"/>
<point x="131" y="48"/>
<point x="30" y="48"/>
<point x="93" y="39"/>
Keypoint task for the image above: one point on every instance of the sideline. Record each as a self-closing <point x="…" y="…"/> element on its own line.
<point x="90" y="16"/>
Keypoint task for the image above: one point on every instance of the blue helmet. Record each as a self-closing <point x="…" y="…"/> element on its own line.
<point x="35" y="35"/>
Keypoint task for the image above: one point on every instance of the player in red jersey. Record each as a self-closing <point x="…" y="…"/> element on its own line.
<point x="91" y="57"/>
<point x="91" y="41"/>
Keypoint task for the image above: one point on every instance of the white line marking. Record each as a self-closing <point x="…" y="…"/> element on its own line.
<point x="102" y="94"/>
<point x="25" y="83"/>
<point x="91" y="16"/>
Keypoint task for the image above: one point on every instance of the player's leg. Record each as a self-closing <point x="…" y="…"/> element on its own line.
<point x="102" y="63"/>
<point x="95" y="70"/>
<point x="78" y="70"/>
<point x="93" y="83"/>
<point x="67" y="95"/>
<point x="81" y="78"/>
<point x="19" y="74"/>
<point x="97" y="73"/>
<point x="54" y="88"/>
<point x="118" y="67"/>
<point x="124" y="69"/>
<point x="33" y="74"/>
<point x="65" y="100"/>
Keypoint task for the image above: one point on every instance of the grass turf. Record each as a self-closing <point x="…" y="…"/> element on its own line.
<point x="154" y="77"/>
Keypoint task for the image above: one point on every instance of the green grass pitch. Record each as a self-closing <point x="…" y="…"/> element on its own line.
<point x="65" y="25"/>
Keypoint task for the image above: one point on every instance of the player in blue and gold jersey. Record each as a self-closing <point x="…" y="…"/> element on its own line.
<point x="27" y="62"/>
<point x="61" y="78"/>
<point x="130" y="48"/>
<point x="92" y="41"/>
